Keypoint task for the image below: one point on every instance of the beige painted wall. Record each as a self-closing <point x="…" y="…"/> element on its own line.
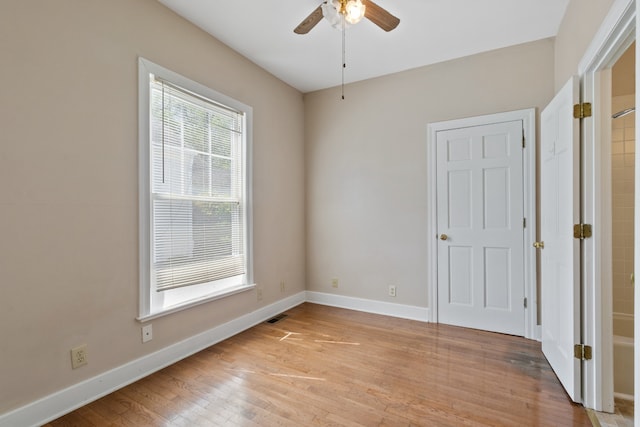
<point x="579" y="25"/>
<point x="68" y="184"/>
<point x="623" y="73"/>
<point x="366" y="164"/>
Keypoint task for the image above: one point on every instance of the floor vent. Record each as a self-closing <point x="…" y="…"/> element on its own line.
<point x="278" y="318"/>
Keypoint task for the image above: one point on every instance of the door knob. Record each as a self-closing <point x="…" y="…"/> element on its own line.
<point x="538" y="245"/>
<point x="443" y="237"/>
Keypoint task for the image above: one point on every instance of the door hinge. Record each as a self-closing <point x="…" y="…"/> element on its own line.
<point x="582" y="352"/>
<point x="523" y="139"/>
<point x="582" y="110"/>
<point x="525" y="302"/>
<point x="524" y="222"/>
<point x="582" y="231"/>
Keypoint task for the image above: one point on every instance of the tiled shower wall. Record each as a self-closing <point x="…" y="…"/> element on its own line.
<point x="622" y="180"/>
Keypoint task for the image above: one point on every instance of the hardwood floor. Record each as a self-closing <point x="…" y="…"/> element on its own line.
<point x="325" y="366"/>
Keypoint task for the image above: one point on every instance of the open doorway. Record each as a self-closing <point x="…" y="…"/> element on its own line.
<point x="615" y="36"/>
<point x="622" y="228"/>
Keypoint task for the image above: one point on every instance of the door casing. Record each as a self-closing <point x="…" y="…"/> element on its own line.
<point x="614" y="36"/>
<point x="527" y="116"/>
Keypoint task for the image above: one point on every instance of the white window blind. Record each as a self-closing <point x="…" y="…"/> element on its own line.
<point x="197" y="189"/>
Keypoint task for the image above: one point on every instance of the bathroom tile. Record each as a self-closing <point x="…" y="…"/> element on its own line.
<point x="617" y="160"/>
<point x="618" y="265"/>
<point x="629" y="160"/>
<point x="629" y="146"/>
<point x="629" y="133"/>
<point x="617" y="147"/>
<point x="628" y="257"/>
<point x="618" y="282"/>
<point x="618" y="305"/>
<point x="617" y="123"/>
<point x="617" y="135"/>
<point x="620" y="201"/>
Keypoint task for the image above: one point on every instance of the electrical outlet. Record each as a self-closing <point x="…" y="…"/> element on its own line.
<point x="282" y="287"/>
<point x="147" y="333"/>
<point x="334" y="283"/>
<point x="259" y="292"/>
<point x="79" y="356"/>
<point x="392" y="291"/>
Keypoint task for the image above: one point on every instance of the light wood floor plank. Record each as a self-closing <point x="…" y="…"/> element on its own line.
<point x="325" y="366"/>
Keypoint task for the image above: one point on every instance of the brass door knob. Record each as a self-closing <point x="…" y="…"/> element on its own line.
<point x="443" y="237"/>
<point x="538" y="245"/>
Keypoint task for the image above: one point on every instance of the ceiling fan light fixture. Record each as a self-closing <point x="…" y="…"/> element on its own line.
<point x="331" y="12"/>
<point x="354" y="11"/>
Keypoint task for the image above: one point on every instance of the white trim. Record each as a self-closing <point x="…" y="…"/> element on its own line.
<point x="616" y="25"/>
<point x="193" y="295"/>
<point x="432" y="225"/>
<point x="614" y="36"/>
<point x="537" y="333"/>
<point x="531" y="330"/>
<point x="623" y="396"/>
<point x="64" y="401"/>
<point x="196" y="302"/>
<point x="410" y="312"/>
<point x="57" y="404"/>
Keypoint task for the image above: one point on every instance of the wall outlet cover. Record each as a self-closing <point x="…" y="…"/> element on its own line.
<point x="147" y="333"/>
<point x="79" y="356"/>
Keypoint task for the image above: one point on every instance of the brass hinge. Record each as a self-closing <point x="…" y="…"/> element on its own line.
<point x="582" y="352"/>
<point x="582" y="231"/>
<point x="580" y="111"/>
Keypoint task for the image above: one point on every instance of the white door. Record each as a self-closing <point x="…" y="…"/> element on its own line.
<point x="559" y="206"/>
<point x="480" y="218"/>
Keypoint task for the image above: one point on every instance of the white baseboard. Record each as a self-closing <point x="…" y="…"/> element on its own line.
<point x="64" y="401"/>
<point x="624" y="396"/>
<point x="537" y="333"/>
<point x="57" y="404"/>
<point x="370" y="306"/>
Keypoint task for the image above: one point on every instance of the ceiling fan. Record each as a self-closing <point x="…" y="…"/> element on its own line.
<point x="352" y="11"/>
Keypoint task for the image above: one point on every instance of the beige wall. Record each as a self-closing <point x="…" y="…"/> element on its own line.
<point x="68" y="184"/>
<point x="366" y="164"/>
<point x="580" y="24"/>
<point x="623" y="73"/>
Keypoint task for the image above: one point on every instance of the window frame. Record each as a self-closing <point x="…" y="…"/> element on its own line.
<point x="192" y="295"/>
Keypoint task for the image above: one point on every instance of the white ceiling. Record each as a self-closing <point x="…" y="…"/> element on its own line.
<point x="430" y="31"/>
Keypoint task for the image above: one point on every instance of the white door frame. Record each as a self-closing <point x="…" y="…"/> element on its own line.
<point x="614" y="36"/>
<point x="531" y="329"/>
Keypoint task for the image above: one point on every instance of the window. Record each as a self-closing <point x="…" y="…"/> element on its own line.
<point x="194" y="196"/>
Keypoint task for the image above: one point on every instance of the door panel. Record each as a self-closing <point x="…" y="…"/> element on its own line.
<point x="480" y="210"/>
<point x="461" y="266"/>
<point x="460" y="199"/>
<point x="559" y="205"/>
<point x="497" y="262"/>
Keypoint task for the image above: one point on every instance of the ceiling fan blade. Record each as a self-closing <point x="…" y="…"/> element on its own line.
<point x="309" y="22"/>
<point x="380" y="16"/>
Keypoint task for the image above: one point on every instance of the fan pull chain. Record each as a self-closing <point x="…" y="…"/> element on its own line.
<point x="344" y="50"/>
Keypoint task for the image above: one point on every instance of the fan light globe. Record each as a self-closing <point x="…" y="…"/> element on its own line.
<point x="331" y="12"/>
<point x="354" y="11"/>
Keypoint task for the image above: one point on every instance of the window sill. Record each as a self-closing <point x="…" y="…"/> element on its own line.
<point x="192" y="303"/>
